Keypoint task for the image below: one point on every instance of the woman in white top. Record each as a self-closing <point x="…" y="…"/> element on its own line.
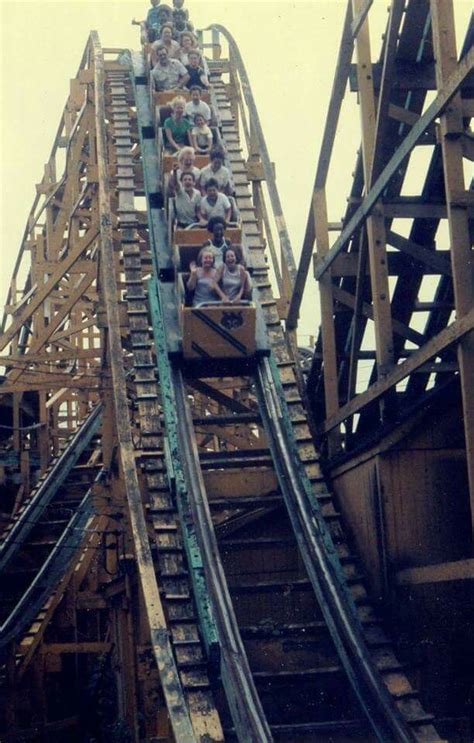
<point x="201" y="135"/>
<point x="232" y="278"/>
<point x="186" y="157"/>
<point x="187" y="44"/>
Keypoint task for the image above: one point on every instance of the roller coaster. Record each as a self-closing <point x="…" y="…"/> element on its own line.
<point x="185" y="553"/>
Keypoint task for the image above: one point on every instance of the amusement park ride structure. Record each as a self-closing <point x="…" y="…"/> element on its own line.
<point x="202" y="546"/>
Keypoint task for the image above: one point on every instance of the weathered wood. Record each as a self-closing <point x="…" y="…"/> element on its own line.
<point x="431" y="348"/>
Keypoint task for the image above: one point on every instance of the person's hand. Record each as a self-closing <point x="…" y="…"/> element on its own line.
<point x="193" y="267"/>
<point x="175" y="168"/>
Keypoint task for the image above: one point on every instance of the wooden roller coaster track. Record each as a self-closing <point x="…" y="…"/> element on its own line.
<point x="174" y="563"/>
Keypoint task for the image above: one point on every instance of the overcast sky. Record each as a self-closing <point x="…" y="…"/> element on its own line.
<point x="289" y="49"/>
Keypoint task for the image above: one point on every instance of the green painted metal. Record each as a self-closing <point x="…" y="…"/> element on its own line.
<point x="177" y="482"/>
<point x="175" y="473"/>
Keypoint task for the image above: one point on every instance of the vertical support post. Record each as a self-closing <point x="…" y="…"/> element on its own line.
<point x="331" y="393"/>
<point x="216" y="46"/>
<point x="462" y="255"/>
<point x="375" y="223"/>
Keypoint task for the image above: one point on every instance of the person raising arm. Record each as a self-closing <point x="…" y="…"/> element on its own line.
<point x="202" y="279"/>
<point x="187" y="199"/>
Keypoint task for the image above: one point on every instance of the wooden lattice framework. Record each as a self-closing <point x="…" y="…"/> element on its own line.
<point x="371" y="276"/>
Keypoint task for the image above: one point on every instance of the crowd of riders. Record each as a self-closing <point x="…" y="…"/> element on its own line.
<point x="202" y="197"/>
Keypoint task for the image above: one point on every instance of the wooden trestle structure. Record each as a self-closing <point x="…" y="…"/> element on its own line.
<point x="177" y="562"/>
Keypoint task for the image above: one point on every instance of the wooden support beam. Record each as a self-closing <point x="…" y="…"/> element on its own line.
<point x="337" y="94"/>
<point x="462" y="255"/>
<point x="443" y="572"/>
<point x="375" y="223"/>
<point x="367" y="310"/>
<point x="435" y="263"/>
<point x="359" y="19"/>
<point x="430" y="349"/>
<point x="429" y="257"/>
<point x="455" y="79"/>
<point x="43" y="292"/>
<point x="60" y="648"/>
<point x="375" y="229"/>
<point x="331" y="392"/>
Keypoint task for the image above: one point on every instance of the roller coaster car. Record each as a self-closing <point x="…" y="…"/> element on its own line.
<point x="219" y="331"/>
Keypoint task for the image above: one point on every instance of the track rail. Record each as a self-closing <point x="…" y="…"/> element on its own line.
<point x="52" y="571"/>
<point x="49" y="484"/>
<point x="178" y="712"/>
<point x="322" y="564"/>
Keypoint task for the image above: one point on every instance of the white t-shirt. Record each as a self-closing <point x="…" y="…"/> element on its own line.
<point x="186" y="206"/>
<point x="222" y="177"/>
<point x="167" y="77"/>
<point x="215" y="210"/>
<point x="202" y="108"/>
<point x="203" y="135"/>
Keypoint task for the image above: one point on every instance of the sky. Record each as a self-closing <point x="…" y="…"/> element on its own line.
<point x="289" y="49"/>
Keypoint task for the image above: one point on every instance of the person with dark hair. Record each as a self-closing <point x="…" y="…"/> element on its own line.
<point x="156" y="17"/>
<point x="232" y="277"/>
<point x="188" y="43"/>
<point x="201" y="135"/>
<point x="217" y="171"/>
<point x="168" y="74"/>
<point x="187" y="199"/>
<point x="196" y="105"/>
<point x="214" y="204"/>
<point x="181" y="17"/>
<point x="202" y="281"/>
<point x="218" y="242"/>
<point x="197" y="76"/>
<point x="166" y="38"/>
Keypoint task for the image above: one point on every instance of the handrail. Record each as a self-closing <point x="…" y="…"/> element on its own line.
<point x="322" y="563"/>
<point x="49" y="487"/>
<point x="159" y="633"/>
<point x="52" y="571"/>
<point x="288" y="258"/>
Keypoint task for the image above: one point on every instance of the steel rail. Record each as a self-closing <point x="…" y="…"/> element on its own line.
<point x="159" y="632"/>
<point x="246" y="709"/>
<point x="288" y="258"/>
<point x="47" y="489"/>
<point x="322" y="563"/>
<point x="53" y="570"/>
<point x="157" y="229"/>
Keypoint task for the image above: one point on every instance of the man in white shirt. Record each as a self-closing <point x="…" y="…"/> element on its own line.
<point x="197" y="106"/>
<point x="168" y="74"/>
<point x="214" y="204"/>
